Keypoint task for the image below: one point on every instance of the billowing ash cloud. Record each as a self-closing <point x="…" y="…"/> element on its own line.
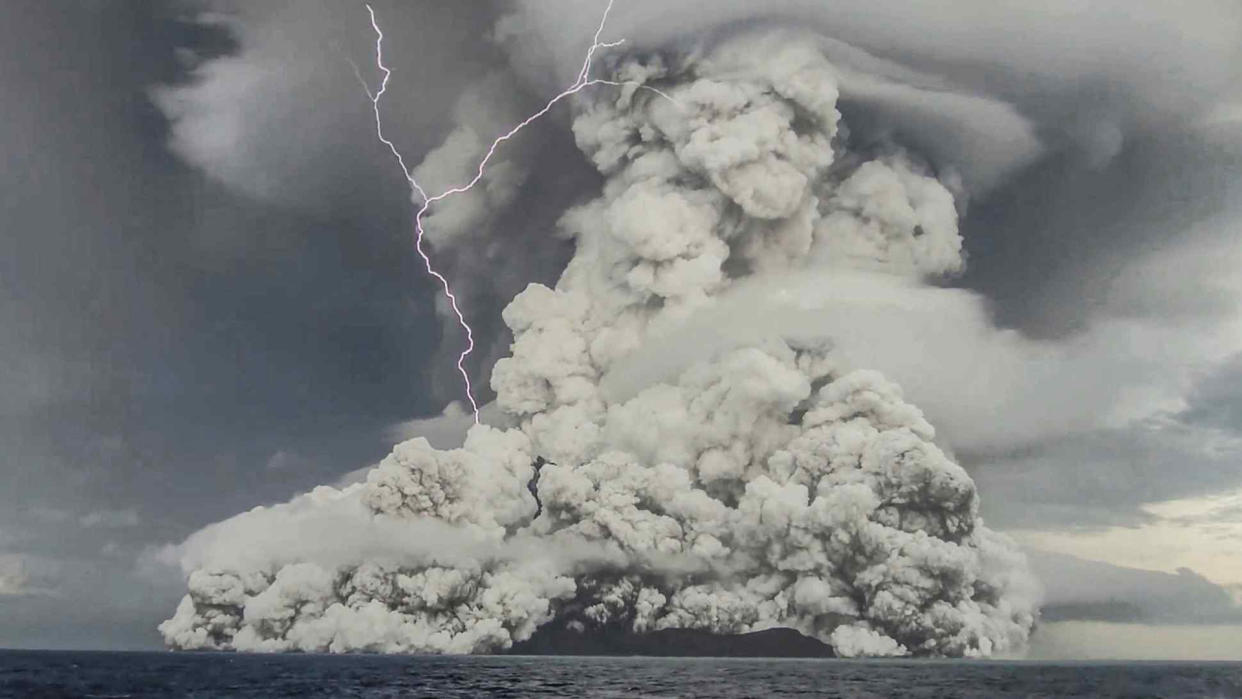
<point x="766" y="483"/>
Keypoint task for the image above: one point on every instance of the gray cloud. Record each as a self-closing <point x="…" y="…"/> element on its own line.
<point x="14" y="579"/>
<point x="232" y="115"/>
<point x="171" y="328"/>
<point x="1102" y="477"/>
<point x="1071" y="66"/>
<point x="1216" y="401"/>
<point x="111" y="519"/>
<point x="164" y="336"/>
<point x="1077" y="589"/>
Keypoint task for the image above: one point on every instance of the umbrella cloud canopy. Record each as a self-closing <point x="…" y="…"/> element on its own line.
<point x="768" y="481"/>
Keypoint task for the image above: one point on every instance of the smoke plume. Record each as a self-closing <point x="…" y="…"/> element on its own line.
<point x="765" y="483"/>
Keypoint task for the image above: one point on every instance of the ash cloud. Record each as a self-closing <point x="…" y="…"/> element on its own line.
<point x="763" y="484"/>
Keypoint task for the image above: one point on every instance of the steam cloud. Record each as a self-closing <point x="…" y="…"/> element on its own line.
<point x="765" y="484"/>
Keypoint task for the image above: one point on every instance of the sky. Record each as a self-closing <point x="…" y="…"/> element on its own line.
<point x="211" y="302"/>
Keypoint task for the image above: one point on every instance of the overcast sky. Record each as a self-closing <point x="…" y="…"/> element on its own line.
<point x="209" y="299"/>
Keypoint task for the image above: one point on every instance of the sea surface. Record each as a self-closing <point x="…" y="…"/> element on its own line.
<point x="102" y="674"/>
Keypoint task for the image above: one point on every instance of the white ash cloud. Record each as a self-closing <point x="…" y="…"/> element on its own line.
<point x="763" y="484"/>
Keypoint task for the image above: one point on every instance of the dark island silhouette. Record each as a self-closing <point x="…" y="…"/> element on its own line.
<point x="559" y="639"/>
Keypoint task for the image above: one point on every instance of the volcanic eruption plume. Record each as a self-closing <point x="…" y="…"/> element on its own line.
<point x="763" y="482"/>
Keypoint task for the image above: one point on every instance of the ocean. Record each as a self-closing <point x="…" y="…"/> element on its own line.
<point x="37" y="674"/>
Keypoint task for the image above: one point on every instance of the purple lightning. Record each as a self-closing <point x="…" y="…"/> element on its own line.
<point x="583" y="81"/>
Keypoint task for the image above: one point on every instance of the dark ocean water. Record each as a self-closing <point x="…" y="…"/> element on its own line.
<point x="74" y="674"/>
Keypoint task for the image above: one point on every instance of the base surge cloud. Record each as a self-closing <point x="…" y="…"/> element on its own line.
<point x="764" y="483"/>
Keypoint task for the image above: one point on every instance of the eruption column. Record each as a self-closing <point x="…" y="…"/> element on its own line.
<point x="583" y="81"/>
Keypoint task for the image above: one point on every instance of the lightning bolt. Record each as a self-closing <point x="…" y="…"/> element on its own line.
<point x="583" y="81"/>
